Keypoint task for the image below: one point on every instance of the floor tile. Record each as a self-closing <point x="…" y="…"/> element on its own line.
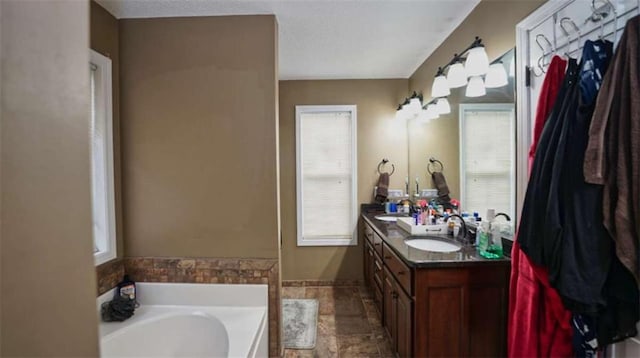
<point x="326" y="325"/>
<point x="326" y="346"/>
<point x="324" y="295"/>
<point x="357" y="346"/>
<point x="349" y="325"/>
<point x="372" y="312"/>
<point x="298" y="353"/>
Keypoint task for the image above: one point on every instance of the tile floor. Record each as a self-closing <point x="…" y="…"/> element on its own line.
<point x="348" y="323"/>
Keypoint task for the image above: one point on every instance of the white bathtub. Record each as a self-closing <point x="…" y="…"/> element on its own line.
<point x="190" y="320"/>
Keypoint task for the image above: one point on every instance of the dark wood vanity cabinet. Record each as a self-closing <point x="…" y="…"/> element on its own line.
<point x="438" y="311"/>
<point x="398" y="316"/>
<point x="373" y="265"/>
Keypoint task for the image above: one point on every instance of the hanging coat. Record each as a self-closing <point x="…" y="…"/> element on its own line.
<point x="612" y="157"/>
<point x="539" y="325"/>
<point x="531" y="233"/>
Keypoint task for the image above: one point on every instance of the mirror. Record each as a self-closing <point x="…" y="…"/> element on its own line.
<point x="476" y="145"/>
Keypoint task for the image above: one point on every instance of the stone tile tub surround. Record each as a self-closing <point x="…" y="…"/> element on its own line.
<point x="215" y="270"/>
<point x="109" y="274"/>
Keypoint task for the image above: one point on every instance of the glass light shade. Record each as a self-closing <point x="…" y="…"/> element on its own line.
<point x="442" y="106"/>
<point x="423" y="116"/>
<point x="432" y="111"/>
<point x="440" y="87"/>
<point x="496" y="76"/>
<point x="457" y="76"/>
<point x="414" y="105"/>
<point x="477" y="62"/>
<point x="475" y="88"/>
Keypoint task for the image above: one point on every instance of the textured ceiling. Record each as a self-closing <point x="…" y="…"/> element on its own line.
<point x="332" y="39"/>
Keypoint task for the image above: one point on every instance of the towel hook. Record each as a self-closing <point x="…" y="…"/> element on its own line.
<point x="382" y="163"/>
<point x="541" y="60"/>
<point x="433" y="161"/>
<point x="568" y="35"/>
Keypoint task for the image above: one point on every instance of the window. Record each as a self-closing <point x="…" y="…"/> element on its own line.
<point x="326" y="175"/>
<point x="487" y="158"/>
<point x="102" y="191"/>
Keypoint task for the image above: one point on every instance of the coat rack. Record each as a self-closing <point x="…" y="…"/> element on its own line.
<point x="604" y="15"/>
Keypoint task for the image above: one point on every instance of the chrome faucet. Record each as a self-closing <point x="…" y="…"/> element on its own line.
<point x="463" y="225"/>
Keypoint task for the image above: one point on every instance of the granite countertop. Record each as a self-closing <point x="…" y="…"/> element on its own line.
<point x="395" y="238"/>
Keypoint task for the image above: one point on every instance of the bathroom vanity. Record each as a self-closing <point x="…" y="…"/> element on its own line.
<point x="435" y="303"/>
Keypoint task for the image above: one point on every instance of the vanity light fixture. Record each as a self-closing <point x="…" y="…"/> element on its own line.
<point x="440" y="87"/>
<point x="415" y="103"/>
<point x="443" y="106"/>
<point x="432" y="111"/>
<point x="457" y="76"/>
<point x="477" y="62"/>
<point x="496" y="76"/>
<point x="400" y="113"/>
<point x="476" y="87"/>
<point x="410" y="108"/>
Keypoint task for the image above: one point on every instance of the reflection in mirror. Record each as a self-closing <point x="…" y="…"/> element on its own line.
<point x="475" y="143"/>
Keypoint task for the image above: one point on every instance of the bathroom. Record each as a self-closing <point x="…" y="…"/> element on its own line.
<point x="201" y="159"/>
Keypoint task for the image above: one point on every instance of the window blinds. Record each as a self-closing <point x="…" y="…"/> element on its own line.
<point x="326" y="172"/>
<point x="98" y="163"/>
<point x="488" y="161"/>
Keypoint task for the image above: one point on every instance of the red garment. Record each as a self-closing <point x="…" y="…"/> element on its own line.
<point x="546" y="100"/>
<point x="539" y="325"/>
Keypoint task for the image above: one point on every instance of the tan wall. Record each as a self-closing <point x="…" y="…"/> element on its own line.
<point x="379" y="136"/>
<point x="492" y="20"/>
<point x="198" y="133"/>
<point x="47" y="278"/>
<point x="104" y="38"/>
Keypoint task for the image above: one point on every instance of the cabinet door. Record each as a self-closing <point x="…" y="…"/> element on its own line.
<point x="366" y="263"/>
<point x="389" y="305"/>
<point x="370" y="266"/>
<point x="404" y="324"/>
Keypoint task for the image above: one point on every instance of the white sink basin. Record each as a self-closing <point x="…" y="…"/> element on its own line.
<point x="390" y="217"/>
<point x="432" y="245"/>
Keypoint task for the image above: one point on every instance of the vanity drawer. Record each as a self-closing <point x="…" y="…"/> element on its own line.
<point x="398" y="269"/>
<point x="368" y="233"/>
<point x="377" y="299"/>
<point x="377" y="272"/>
<point x="377" y="243"/>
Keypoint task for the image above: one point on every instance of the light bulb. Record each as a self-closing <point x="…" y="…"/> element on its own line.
<point x="477" y="62"/>
<point x="496" y="76"/>
<point x="456" y="77"/>
<point x="440" y="87"/>
<point x="442" y="106"/>
<point x="475" y="88"/>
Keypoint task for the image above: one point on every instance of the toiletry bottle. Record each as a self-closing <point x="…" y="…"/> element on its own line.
<point x="495" y="246"/>
<point x="126" y="288"/>
<point x="483" y="238"/>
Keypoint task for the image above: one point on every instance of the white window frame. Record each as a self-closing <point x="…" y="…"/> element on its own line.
<point x="353" y="240"/>
<point x="488" y="107"/>
<point x="103" y="87"/>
